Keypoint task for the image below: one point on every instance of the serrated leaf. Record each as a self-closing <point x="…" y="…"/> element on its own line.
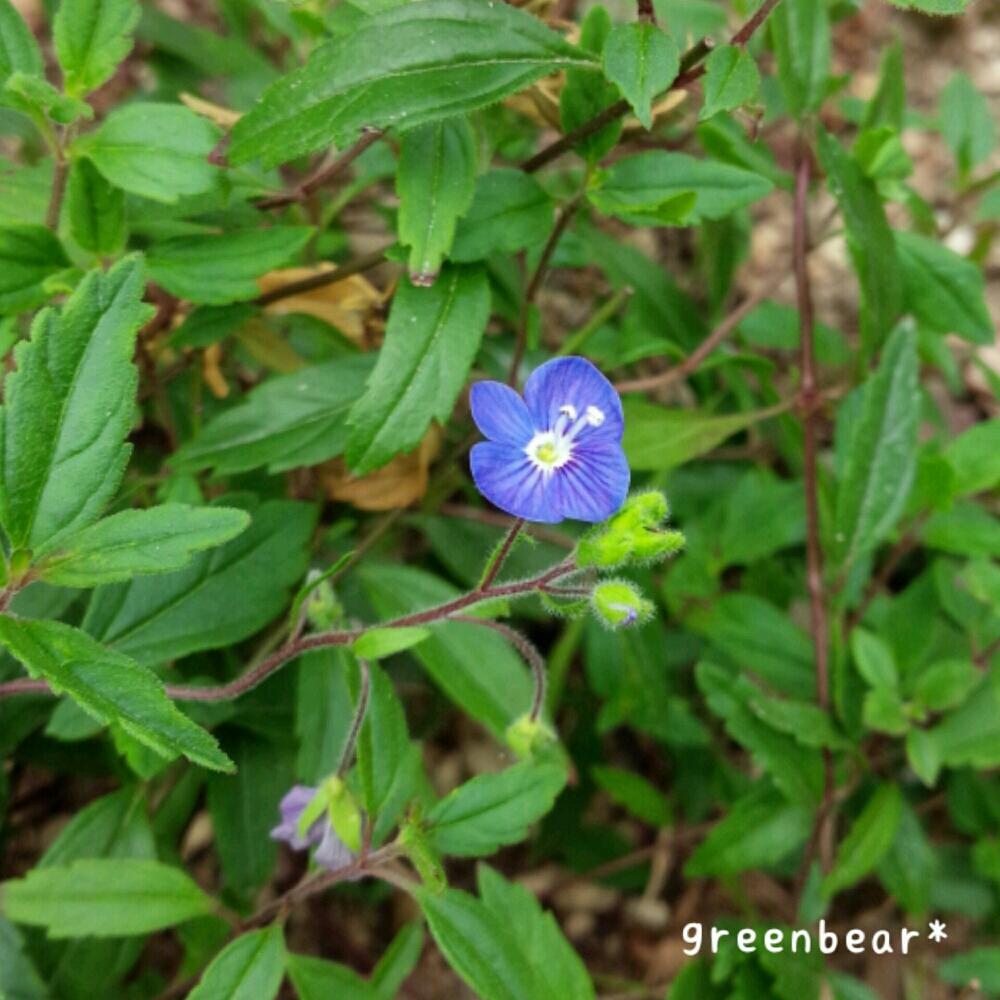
<point x="435" y="181"/>
<point x="249" y="968"/>
<point x="19" y="52"/>
<point x="287" y="421"/>
<point x="216" y="270"/>
<point x="431" y="340"/>
<point x="385" y="74"/>
<point x="96" y="210"/>
<point x="157" y="151"/>
<point x="944" y="290"/>
<point x="881" y="453"/>
<point x="510" y="211"/>
<point x="493" y="810"/>
<point x="378" y="643"/>
<point x="869" y="239"/>
<point x="110" y="687"/>
<point x="68" y="408"/>
<point x="731" y="80"/>
<point x="867" y="841"/>
<point x="92" y="37"/>
<point x="560" y="971"/>
<point x="479" y="945"/>
<point x="29" y="255"/>
<point x="638" y="188"/>
<point x="105" y="897"/>
<point x="800" y="36"/>
<point x="131" y="542"/>
<point x="161" y="618"/>
<point x="642" y="61"/>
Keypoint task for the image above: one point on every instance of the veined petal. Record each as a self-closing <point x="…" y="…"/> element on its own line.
<point x="577" y="383"/>
<point x="332" y="852"/>
<point x="500" y="413"/>
<point x="292" y="806"/>
<point x="592" y="485"/>
<point x="509" y="480"/>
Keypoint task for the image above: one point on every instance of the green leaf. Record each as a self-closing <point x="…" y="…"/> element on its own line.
<point x="965" y="530"/>
<point x="493" y="810"/>
<point x="887" y="106"/>
<point x="207" y="325"/>
<point x="643" y="61"/>
<point x="318" y="979"/>
<point x="431" y="339"/>
<point x="472" y="665"/>
<point x="945" y="684"/>
<point x="158" y="151"/>
<point x="68" y="408"/>
<point x="869" y="239"/>
<point x="323" y="711"/>
<point x="133" y="542"/>
<point x="92" y="37"/>
<point x="632" y="791"/>
<point x="657" y="438"/>
<point x="800" y="36"/>
<point x="868" y="840"/>
<point x="966" y="120"/>
<point x="216" y="270"/>
<point x="96" y="210"/>
<point x="881" y="453"/>
<point x="510" y="211"/>
<point x="759" y="831"/>
<point x="384" y="74"/>
<point x="162" y="618"/>
<point x="109" y="686"/>
<point x="874" y="659"/>
<point x="435" y="181"/>
<point x="807" y="723"/>
<point x="385" y="764"/>
<point x="378" y="643"/>
<point x="559" y="969"/>
<point x="934" y="6"/>
<point x="975" y="457"/>
<point x="244" y="808"/>
<point x="944" y="290"/>
<point x="479" y="944"/>
<point x="29" y="255"/>
<point x="105" y="897"/>
<point x="19" y="52"/>
<point x="38" y="99"/>
<point x="731" y="80"/>
<point x="656" y="188"/>
<point x="978" y="969"/>
<point x="397" y="962"/>
<point x="19" y="980"/>
<point x="249" y="968"/>
<point x="586" y="94"/>
<point x="288" y="421"/>
<point x="750" y="530"/>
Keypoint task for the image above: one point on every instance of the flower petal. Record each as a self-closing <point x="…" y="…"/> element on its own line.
<point x="576" y="382"/>
<point x="508" y="479"/>
<point x="292" y="805"/>
<point x="500" y="413"/>
<point x="593" y="484"/>
<point x="332" y="852"/>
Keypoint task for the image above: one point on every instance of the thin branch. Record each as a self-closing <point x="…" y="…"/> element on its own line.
<point x="535" y="283"/>
<point x="529" y="653"/>
<point x="499" y="557"/>
<point x="323" y="175"/>
<point x="60" y="175"/>
<point x="324" y="278"/>
<point x="810" y="398"/>
<point x="296" y="647"/>
<point x="693" y="361"/>
<point x="347" y="753"/>
<point x="692" y="61"/>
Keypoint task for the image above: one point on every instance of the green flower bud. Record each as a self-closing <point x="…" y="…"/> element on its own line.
<point x="651" y="546"/>
<point x="649" y="508"/>
<point x="618" y="603"/>
<point x="526" y="736"/>
<point x="323" y="610"/>
<point x="632" y="535"/>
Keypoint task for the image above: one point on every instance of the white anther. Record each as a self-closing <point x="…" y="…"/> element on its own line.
<point x="595" y="416"/>
<point x="568" y="410"/>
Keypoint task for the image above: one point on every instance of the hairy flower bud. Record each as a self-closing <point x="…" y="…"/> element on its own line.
<point x="618" y="604"/>
<point x="632" y="535"/>
<point x="526" y="736"/>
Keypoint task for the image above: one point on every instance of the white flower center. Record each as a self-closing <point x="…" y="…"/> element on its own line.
<point x="552" y="449"/>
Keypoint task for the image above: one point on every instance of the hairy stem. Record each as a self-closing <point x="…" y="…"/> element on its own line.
<point x="499" y="557"/>
<point x="364" y="692"/>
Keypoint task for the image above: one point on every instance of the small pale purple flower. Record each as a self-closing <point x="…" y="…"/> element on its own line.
<point x="557" y="452"/>
<point x="332" y="853"/>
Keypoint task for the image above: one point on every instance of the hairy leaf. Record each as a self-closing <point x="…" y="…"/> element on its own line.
<point x="643" y="61"/>
<point x="92" y="37"/>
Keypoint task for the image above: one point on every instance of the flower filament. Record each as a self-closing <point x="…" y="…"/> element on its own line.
<point x="551" y="449"/>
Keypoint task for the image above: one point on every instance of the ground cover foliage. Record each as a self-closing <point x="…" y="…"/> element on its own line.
<point x="289" y="708"/>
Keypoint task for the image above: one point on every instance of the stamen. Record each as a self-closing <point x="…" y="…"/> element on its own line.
<point x="595" y="416"/>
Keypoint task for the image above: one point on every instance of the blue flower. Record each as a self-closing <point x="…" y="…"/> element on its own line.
<point x="331" y="852"/>
<point x="557" y="453"/>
